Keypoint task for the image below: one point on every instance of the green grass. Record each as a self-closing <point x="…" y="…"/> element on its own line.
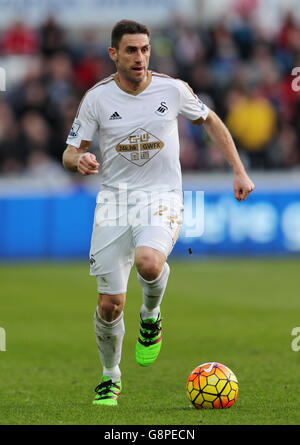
<point x="238" y="312"/>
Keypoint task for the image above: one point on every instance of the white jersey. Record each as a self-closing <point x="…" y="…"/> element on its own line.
<point x="138" y="133"/>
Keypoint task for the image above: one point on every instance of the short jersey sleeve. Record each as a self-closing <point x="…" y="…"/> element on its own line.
<point x="85" y="123"/>
<point x="190" y="105"/>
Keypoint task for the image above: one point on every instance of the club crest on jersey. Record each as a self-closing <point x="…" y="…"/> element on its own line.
<point x="162" y="109"/>
<point x="74" y="130"/>
<point x="139" y="147"/>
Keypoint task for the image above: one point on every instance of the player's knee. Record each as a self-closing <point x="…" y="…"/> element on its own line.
<point x="110" y="306"/>
<point x="149" y="267"/>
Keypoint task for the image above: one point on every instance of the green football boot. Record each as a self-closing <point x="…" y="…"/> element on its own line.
<point x="149" y="341"/>
<point x="107" y="392"/>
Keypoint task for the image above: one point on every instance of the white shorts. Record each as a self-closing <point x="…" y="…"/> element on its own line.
<point x="119" y="229"/>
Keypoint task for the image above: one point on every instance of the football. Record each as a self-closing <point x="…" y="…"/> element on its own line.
<point x="212" y="385"/>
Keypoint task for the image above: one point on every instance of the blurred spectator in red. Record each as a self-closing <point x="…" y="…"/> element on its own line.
<point x="20" y="39"/>
<point x="89" y="70"/>
<point x="91" y="61"/>
<point x="244" y="7"/>
<point x="289" y="35"/>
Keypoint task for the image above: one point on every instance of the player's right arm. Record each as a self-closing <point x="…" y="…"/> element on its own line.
<point x="78" y="159"/>
<point x="198" y="113"/>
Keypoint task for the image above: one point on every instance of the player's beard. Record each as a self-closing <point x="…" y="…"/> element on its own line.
<point x="126" y="72"/>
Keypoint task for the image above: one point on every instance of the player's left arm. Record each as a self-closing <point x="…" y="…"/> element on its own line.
<point x="218" y="132"/>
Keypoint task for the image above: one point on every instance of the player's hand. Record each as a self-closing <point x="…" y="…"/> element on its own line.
<point x="87" y="164"/>
<point x="242" y="186"/>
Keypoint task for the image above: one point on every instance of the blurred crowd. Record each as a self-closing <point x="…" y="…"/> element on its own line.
<point x="243" y="75"/>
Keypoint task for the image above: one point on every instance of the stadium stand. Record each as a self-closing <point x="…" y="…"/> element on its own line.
<point x="237" y="70"/>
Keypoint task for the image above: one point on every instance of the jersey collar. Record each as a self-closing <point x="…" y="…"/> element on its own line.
<point x="134" y="93"/>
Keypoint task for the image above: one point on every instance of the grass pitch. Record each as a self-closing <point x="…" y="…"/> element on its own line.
<point x="238" y="312"/>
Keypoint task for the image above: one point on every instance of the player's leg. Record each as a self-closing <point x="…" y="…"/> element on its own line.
<point x="111" y="261"/>
<point x="109" y="330"/>
<point x="153" y="273"/>
<point x="153" y="245"/>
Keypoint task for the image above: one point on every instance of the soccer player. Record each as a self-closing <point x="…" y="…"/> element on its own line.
<point x="135" y="112"/>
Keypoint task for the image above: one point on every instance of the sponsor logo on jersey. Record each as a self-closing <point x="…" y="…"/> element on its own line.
<point x="162" y="109"/>
<point x="74" y="129"/>
<point x="115" y="116"/>
<point x="139" y="147"/>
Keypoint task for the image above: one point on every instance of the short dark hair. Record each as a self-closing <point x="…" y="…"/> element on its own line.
<point x="126" y="27"/>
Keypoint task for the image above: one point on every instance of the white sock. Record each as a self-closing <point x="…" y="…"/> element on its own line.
<point x="109" y="338"/>
<point x="153" y="292"/>
<point x="113" y="373"/>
